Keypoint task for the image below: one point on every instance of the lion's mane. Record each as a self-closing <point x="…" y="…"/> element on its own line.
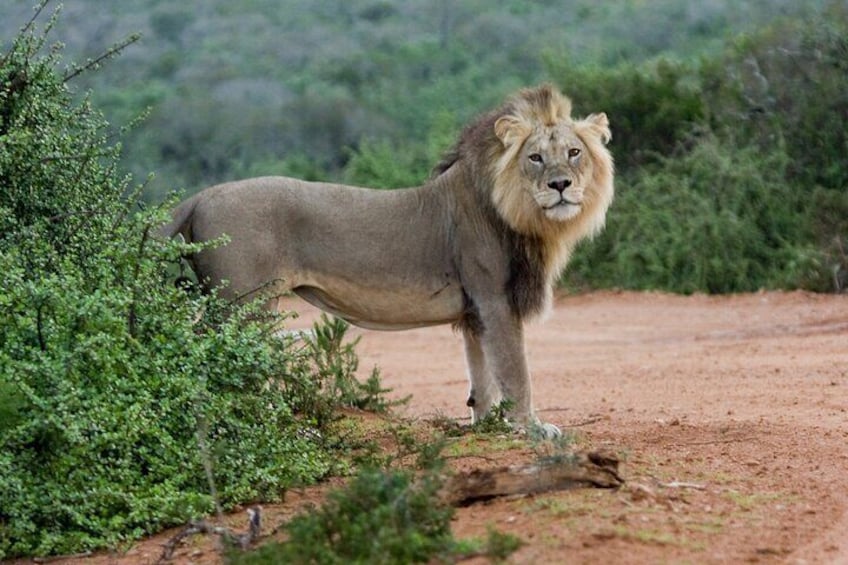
<point x="540" y="247"/>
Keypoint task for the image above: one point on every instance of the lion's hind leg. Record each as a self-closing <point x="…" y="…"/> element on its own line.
<point x="484" y="392"/>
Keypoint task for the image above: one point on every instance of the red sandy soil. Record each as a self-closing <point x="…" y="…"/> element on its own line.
<point x="730" y="414"/>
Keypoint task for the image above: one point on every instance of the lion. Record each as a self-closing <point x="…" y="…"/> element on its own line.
<point x="480" y="245"/>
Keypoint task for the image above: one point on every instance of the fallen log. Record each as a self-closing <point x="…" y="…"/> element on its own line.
<point x="577" y="470"/>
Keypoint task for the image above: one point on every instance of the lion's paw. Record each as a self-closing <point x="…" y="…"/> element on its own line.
<point x="539" y="430"/>
<point x="544" y="430"/>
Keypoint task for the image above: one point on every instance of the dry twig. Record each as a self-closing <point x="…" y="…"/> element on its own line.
<point x="678" y="484"/>
<point x="228" y="536"/>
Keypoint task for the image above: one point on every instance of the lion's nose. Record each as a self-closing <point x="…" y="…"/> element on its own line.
<point x="559" y="184"/>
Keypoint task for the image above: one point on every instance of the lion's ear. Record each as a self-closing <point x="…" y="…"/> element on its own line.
<point x="510" y="130"/>
<point x="599" y="123"/>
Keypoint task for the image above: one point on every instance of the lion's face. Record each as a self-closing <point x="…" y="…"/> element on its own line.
<point x="553" y="170"/>
<point x="556" y="166"/>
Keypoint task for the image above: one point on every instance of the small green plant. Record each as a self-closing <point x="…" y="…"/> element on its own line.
<point x="380" y="517"/>
<point x="750" y="501"/>
<point x="383" y="516"/>
<point x="334" y="362"/>
<point x="495" y="421"/>
<point x="497" y="546"/>
<point x="500" y="545"/>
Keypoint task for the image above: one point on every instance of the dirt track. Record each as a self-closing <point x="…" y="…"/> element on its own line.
<point x="731" y="414"/>
<point x="745" y="397"/>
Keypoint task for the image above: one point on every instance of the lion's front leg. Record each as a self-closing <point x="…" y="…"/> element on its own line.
<point x="502" y="344"/>
<point x="503" y="350"/>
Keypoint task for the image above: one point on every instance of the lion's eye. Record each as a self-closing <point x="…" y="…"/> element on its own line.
<point x="535" y="157"/>
<point x="573" y="152"/>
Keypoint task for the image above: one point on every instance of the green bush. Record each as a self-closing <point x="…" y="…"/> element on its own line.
<point x="787" y="84"/>
<point x="53" y="187"/>
<point x="127" y="405"/>
<point x="732" y="177"/>
<point x="652" y="108"/>
<point x="788" y="80"/>
<point x="718" y="218"/>
<point x="114" y="429"/>
<point x="385" y="515"/>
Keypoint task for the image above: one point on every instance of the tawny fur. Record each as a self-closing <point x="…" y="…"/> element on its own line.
<point x="479" y="245"/>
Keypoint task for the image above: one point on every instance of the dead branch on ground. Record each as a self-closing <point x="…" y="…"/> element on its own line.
<point x="598" y="470"/>
<point x="226" y="535"/>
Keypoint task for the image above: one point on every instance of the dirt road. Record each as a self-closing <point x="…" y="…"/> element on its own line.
<point x="731" y="413"/>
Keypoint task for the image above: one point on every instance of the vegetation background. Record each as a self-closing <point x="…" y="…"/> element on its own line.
<point x="127" y="405"/>
<point x="728" y="116"/>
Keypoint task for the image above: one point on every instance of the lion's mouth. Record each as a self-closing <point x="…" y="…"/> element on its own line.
<point x="564" y="202"/>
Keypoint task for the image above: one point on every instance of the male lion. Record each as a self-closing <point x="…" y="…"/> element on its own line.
<point x="479" y="245"/>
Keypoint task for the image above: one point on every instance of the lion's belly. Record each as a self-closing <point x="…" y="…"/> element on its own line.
<point x="386" y="308"/>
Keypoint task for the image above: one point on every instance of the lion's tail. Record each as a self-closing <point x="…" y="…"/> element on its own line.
<point x="181" y="217"/>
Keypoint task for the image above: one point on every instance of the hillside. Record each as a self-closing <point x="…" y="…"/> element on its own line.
<point x="727" y="115"/>
<point x="234" y="87"/>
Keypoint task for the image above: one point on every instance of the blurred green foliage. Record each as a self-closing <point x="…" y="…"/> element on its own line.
<point x="652" y="107"/>
<point x="746" y="187"/>
<point x="241" y="86"/>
